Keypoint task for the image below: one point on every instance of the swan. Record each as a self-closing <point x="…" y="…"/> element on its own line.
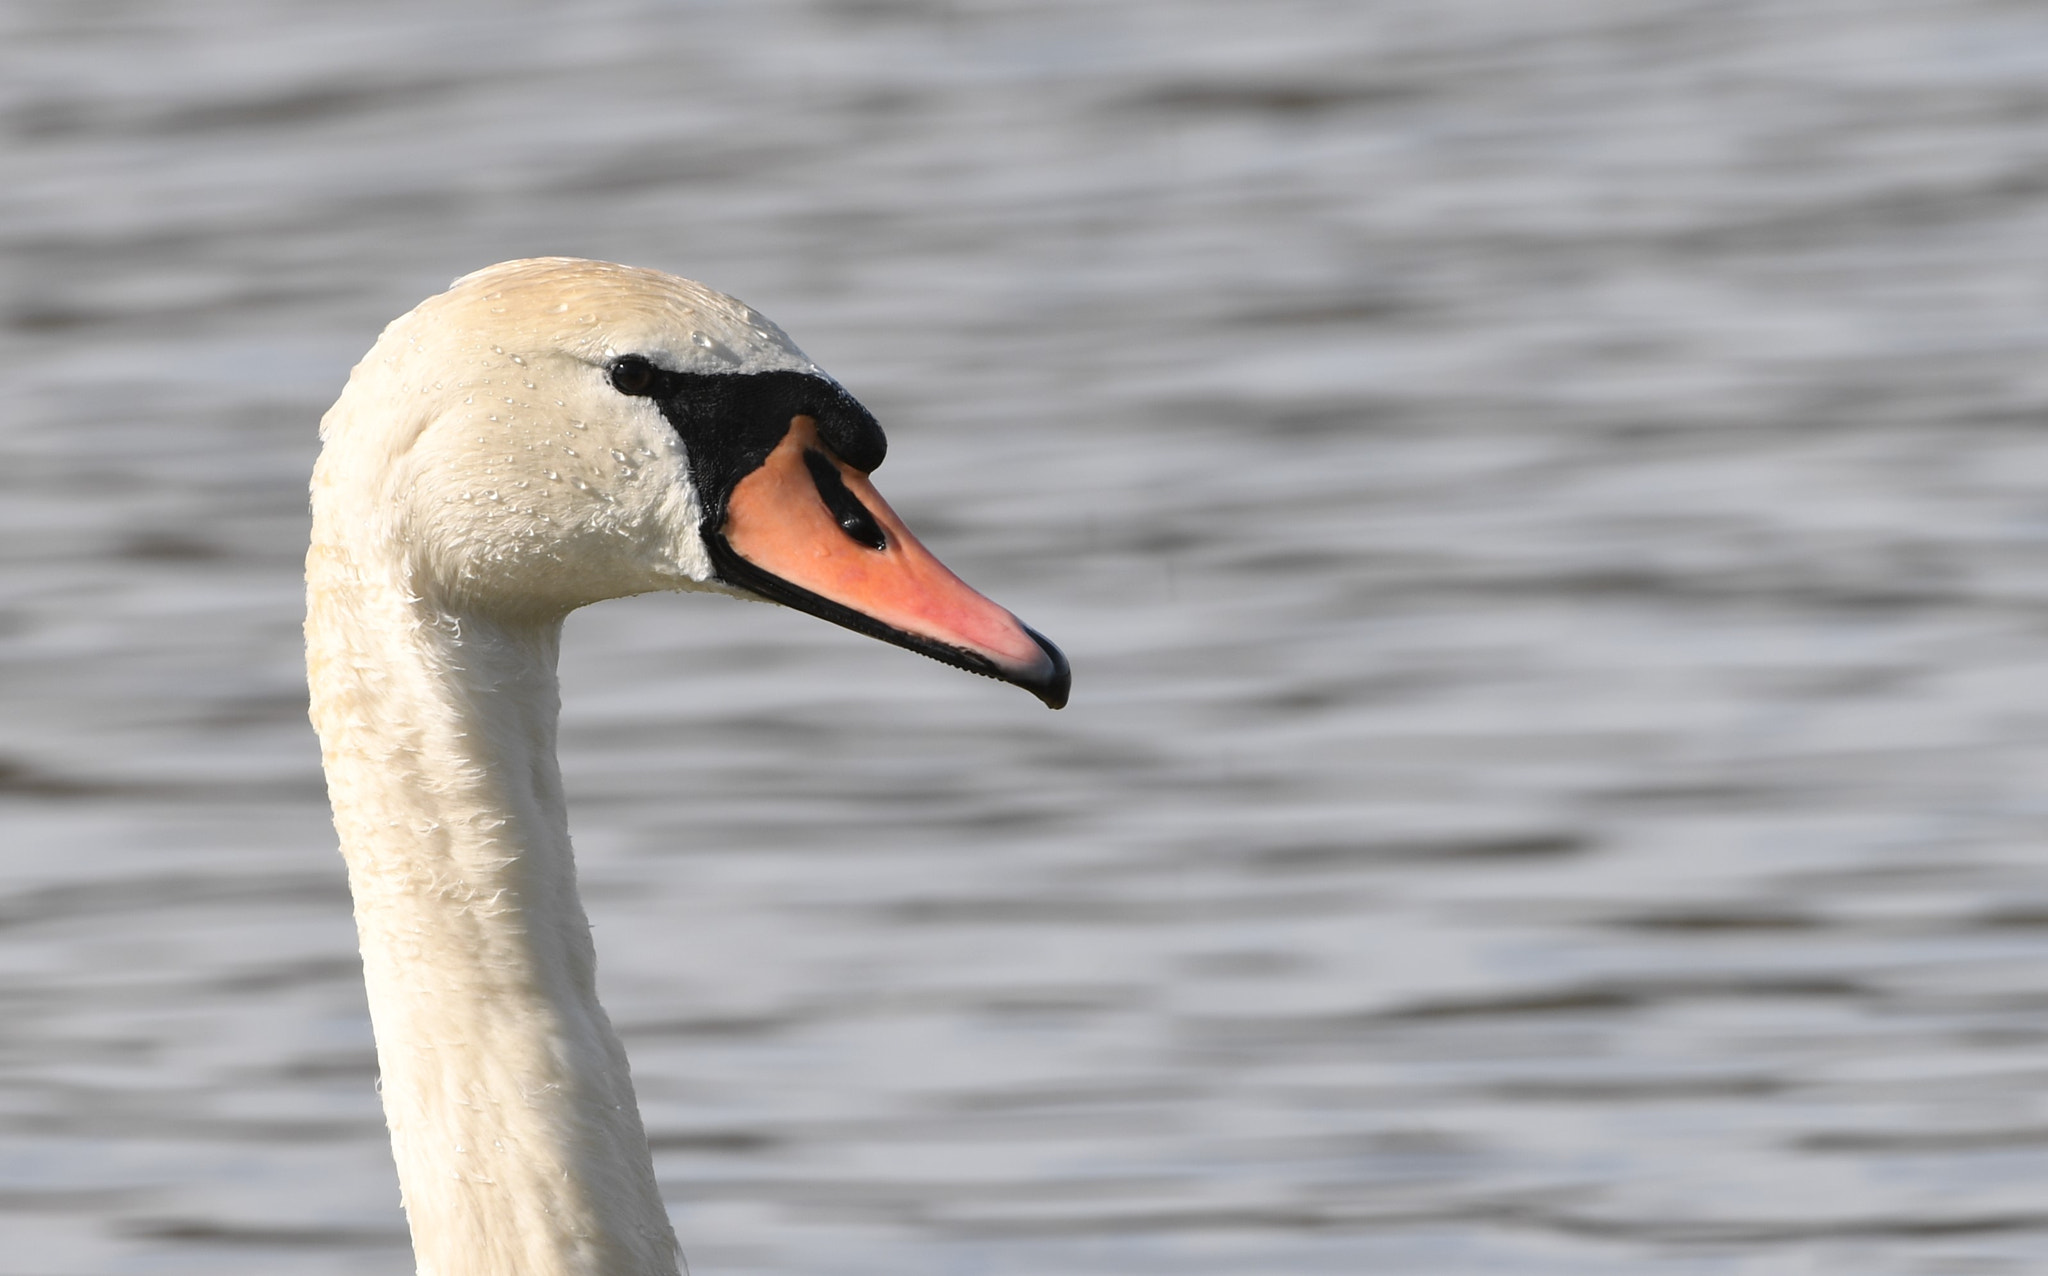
<point x="545" y="434"/>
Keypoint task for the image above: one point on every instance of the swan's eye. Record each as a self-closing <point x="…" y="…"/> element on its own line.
<point x="633" y="375"/>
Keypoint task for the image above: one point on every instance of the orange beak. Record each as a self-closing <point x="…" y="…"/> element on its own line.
<point x="809" y="531"/>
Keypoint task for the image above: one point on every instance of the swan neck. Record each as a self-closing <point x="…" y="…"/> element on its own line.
<point x="513" y="1122"/>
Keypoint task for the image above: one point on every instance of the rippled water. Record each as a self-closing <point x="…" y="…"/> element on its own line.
<point x="1547" y="505"/>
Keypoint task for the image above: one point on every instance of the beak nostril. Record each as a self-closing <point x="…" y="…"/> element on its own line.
<point x="853" y="517"/>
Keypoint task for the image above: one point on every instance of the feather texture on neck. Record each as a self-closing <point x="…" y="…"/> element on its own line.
<point x="518" y="1142"/>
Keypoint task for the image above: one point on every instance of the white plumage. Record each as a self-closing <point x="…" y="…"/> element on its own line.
<point x="481" y="476"/>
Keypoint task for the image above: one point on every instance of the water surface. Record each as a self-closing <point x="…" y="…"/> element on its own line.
<point x="1546" y="504"/>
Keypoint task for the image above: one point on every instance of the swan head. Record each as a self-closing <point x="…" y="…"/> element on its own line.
<point x="553" y="432"/>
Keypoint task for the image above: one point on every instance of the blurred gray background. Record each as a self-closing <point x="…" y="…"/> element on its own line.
<point x="1547" y="505"/>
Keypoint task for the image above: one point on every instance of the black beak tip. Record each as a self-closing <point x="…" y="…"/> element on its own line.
<point x="1056" y="683"/>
